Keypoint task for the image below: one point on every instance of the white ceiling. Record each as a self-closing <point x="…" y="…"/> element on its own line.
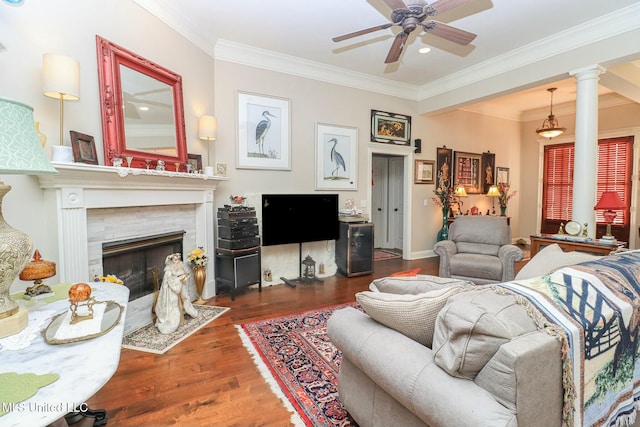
<point x="303" y="30"/>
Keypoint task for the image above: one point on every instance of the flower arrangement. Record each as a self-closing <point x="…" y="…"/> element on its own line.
<point x="237" y="199"/>
<point x="109" y="278"/>
<point x="445" y="195"/>
<point x="505" y="194"/>
<point x="198" y="256"/>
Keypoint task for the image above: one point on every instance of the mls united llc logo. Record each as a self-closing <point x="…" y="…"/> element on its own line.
<point x="63" y="407"/>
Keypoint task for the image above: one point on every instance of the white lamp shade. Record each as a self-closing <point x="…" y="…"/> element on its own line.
<point x="20" y="149"/>
<point x="60" y="77"/>
<point x="207" y="128"/>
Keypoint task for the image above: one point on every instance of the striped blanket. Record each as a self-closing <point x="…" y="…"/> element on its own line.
<point x="594" y="308"/>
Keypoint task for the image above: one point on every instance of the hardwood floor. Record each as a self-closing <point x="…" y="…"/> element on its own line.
<point x="209" y="379"/>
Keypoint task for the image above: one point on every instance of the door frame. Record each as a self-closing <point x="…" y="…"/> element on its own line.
<point x="407" y="153"/>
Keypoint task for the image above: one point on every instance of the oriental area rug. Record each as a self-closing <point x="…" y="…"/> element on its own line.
<point x="150" y="340"/>
<point x="297" y="359"/>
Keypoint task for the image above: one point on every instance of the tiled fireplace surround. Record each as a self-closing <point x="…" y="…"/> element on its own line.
<point x="88" y="205"/>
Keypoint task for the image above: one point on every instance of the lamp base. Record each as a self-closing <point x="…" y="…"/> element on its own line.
<point x="13" y="324"/>
<point x="608" y="239"/>
<point x="61" y="154"/>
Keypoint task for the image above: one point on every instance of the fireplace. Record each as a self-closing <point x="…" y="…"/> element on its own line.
<point x="88" y="205"/>
<point x="139" y="262"/>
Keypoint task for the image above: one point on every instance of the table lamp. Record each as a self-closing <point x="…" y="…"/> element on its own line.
<point x="20" y="153"/>
<point x="609" y="201"/>
<point x="493" y="193"/>
<point x="61" y="81"/>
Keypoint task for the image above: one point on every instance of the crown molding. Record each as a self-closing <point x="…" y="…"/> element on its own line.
<point x="238" y="53"/>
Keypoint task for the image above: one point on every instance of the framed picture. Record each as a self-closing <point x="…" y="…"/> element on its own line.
<point x="488" y="170"/>
<point x="263" y="132"/>
<point x="195" y="160"/>
<point x="84" y="148"/>
<point x="336" y="157"/>
<point x="221" y="169"/>
<point x="424" y="172"/>
<point x="390" y="128"/>
<point x="468" y="171"/>
<point x="502" y="175"/>
<point x="444" y="166"/>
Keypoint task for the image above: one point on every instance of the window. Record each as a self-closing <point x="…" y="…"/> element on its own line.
<point x="615" y="164"/>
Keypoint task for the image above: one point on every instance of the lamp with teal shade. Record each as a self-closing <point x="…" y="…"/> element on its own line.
<point x="20" y="153"/>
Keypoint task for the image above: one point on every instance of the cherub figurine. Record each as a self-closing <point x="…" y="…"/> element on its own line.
<point x="561" y="229"/>
<point x="584" y="230"/>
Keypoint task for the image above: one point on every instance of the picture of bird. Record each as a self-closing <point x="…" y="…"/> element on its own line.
<point x="336" y="159"/>
<point x="262" y="128"/>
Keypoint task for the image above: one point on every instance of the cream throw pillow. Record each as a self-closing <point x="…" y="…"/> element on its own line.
<point x="549" y="259"/>
<point x="411" y="315"/>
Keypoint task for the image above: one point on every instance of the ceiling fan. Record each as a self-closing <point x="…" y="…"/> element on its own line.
<point x="410" y="14"/>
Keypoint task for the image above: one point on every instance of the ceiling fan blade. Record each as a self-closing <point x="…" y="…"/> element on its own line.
<point x="396" y="48"/>
<point x="362" y="32"/>
<point x="443" y="5"/>
<point x="450" y="33"/>
<point x="396" y="4"/>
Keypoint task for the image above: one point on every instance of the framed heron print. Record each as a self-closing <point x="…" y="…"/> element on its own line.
<point x="264" y="132"/>
<point x="336" y="157"/>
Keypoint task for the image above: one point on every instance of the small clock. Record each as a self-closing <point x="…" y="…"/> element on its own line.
<point x="572" y="228"/>
<point x="221" y="169"/>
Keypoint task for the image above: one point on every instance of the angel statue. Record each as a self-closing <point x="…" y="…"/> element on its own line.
<point x="173" y="300"/>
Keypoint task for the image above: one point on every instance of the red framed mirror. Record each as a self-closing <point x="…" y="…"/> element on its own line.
<point x="142" y="108"/>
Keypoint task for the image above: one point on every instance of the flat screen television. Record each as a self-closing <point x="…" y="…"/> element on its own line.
<point x="299" y="218"/>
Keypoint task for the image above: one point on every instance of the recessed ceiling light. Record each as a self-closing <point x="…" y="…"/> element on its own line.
<point x="144" y="108"/>
<point x="424" y="49"/>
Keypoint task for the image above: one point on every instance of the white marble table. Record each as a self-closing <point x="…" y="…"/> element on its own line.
<point x="84" y="366"/>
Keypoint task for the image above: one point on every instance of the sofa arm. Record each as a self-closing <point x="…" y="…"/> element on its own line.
<point x="525" y="375"/>
<point x="445" y="250"/>
<point x="509" y="255"/>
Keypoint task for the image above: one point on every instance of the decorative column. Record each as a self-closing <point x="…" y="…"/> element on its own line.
<point x="586" y="146"/>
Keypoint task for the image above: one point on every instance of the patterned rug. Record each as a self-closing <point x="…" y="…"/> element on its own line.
<point x="149" y="339"/>
<point x="385" y="254"/>
<point x="297" y="359"/>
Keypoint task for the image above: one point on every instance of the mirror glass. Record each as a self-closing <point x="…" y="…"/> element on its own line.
<point x="142" y="109"/>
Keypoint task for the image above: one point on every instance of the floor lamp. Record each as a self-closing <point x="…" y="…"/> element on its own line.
<point x="61" y="80"/>
<point x="20" y="153"/>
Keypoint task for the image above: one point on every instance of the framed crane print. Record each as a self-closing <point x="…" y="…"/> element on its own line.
<point x="336" y="157"/>
<point x="264" y="132"/>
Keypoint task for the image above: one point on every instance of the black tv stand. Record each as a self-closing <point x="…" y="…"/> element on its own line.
<point x="300" y="280"/>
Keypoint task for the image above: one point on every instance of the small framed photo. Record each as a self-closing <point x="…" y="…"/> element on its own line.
<point x="221" y="169"/>
<point x="195" y="160"/>
<point x="264" y="132"/>
<point x="502" y="175"/>
<point x="84" y="148"/>
<point x="336" y="157"/>
<point x="390" y="128"/>
<point x="424" y="172"/>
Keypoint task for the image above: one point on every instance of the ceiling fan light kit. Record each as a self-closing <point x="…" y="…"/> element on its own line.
<point x="550" y="127"/>
<point x="410" y="15"/>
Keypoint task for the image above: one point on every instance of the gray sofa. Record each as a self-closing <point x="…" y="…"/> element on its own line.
<point x="479" y="249"/>
<point x="487" y="365"/>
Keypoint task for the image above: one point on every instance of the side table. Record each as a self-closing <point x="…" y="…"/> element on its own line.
<point x="83" y="366"/>
<point x="589" y="246"/>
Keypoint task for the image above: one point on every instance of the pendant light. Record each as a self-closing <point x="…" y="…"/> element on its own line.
<point x="550" y="127"/>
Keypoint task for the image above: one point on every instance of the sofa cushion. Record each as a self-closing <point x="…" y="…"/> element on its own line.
<point x="476" y="265"/>
<point x="549" y="259"/>
<point x="411" y="315"/>
<point x="472" y="326"/>
<point x="414" y="285"/>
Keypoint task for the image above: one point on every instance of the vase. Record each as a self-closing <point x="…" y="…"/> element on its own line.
<point x="443" y="234"/>
<point x="503" y="211"/>
<point x="199" y="277"/>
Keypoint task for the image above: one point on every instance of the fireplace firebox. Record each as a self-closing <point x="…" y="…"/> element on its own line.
<point x="139" y="262"/>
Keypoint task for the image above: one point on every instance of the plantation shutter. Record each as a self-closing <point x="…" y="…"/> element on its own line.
<point x="615" y="164"/>
<point x="557" y="184"/>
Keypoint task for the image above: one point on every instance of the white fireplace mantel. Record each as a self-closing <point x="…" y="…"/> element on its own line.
<point x="79" y="187"/>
